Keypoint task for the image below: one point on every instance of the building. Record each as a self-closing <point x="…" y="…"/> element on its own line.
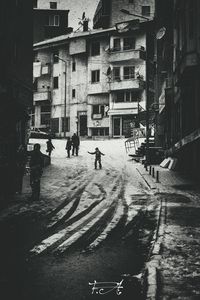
<point x="50" y="19"/>
<point x="110" y="12"/>
<point x="100" y="75"/>
<point x="180" y="95"/>
<point x="15" y="87"/>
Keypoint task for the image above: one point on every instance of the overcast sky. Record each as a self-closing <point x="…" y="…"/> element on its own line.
<point x="77" y="7"/>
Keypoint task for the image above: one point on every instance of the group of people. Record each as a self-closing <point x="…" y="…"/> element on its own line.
<point x="36" y="162"/>
<point x="72" y="143"/>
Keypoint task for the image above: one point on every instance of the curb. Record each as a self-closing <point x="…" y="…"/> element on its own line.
<point x="153" y="265"/>
<point x="151" y="185"/>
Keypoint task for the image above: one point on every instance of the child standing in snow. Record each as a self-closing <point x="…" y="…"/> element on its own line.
<point x="97" y="154"/>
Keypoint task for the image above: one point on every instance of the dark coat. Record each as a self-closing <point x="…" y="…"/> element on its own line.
<point x="75" y="140"/>
<point x="68" y="145"/>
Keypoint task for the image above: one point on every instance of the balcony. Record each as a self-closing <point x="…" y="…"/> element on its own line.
<point x="127" y="55"/>
<point x="123" y="108"/>
<point x="98" y="88"/>
<point x="42" y="96"/>
<point x="127" y="84"/>
<point x="125" y="105"/>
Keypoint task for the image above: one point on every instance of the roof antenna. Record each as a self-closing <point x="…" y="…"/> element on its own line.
<point x="83" y="23"/>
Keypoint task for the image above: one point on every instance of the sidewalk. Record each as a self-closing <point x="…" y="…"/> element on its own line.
<point x="173" y="270"/>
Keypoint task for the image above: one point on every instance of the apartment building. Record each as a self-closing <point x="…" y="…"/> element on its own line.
<point x="110" y="12"/>
<point x="97" y="79"/>
<point x="179" y="97"/>
<point x="50" y="19"/>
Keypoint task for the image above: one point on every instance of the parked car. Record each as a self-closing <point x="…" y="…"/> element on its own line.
<point x="38" y="134"/>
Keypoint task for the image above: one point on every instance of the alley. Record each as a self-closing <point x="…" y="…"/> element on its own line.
<point x="86" y="226"/>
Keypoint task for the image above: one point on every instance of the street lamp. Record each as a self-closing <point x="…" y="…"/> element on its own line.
<point x="65" y="96"/>
<point x="147" y="80"/>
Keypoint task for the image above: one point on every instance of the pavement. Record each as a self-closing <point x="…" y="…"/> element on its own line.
<point x="173" y="268"/>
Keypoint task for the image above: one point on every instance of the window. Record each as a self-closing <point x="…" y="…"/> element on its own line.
<point x="129" y="43"/>
<point x="55" y="82"/>
<point x="67" y="124"/>
<point x="53" y="5"/>
<point x="55" y="57"/>
<point x="98" y="109"/>
<point x="73" y="93"/>
<point x="73" y="66"/>
<point x="127" y="96"/>
<point x="54" y="20"/>
<point x="45" y="115"/>
<point x="146" y="10"/>
<point x="116" y="45"/>
<point x="104" y="131"/>
<point x="95" y="76"/>
<point x="35" y="3"/>
<point x="55" y="125"/>
<point x="95" y="48"/>
<point x="129" y="72"/>
<point x="116" y="73"/>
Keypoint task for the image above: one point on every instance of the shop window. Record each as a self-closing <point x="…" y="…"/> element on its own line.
<point x="129" y="72"/>
<point x="55" y="82"/>
<point x="104" y="131"/>
<point x="53" y="5"/>
<point x="95" y="48"/>
<point x="95" y="76"/>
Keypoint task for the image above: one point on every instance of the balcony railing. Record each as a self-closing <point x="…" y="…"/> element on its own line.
<point x="97" y="116"/>
<point x="124" y="55"/>
<point x="42" y="96"/>
<point x="131" y="83"/>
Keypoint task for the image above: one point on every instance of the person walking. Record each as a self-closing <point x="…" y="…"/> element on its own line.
<point x="97" y="154"/>
<point x="36" y="170"/>
<point x="68" y="146"/>
<point x="75" y="144"/>
<point x="50" y="147"/>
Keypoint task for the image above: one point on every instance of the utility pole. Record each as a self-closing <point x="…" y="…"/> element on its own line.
<point x="65" y="95"/>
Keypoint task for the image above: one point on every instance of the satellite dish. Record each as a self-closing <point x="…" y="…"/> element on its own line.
<point x="160" y="33"/>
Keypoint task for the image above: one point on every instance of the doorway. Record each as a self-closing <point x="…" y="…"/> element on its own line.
<point x="83" y="125"/>
<point x="116" y="126"/>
